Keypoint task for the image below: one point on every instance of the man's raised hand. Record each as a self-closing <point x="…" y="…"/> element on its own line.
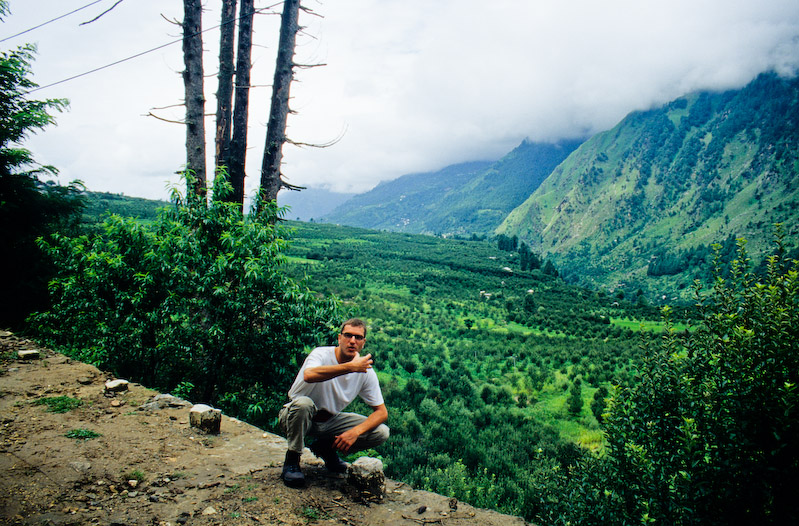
<point x="360" y="364"/>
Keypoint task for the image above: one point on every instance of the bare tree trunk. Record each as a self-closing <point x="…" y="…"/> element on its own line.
<point x="195" y="100"/>
<point x="271" y="181"/>
<point x="238" y="145"/>
<point x="224" y="93"/>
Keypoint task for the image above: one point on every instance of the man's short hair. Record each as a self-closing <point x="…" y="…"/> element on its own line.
<point x="353" y="322"/>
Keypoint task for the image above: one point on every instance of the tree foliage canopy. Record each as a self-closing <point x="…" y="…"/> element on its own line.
<point x="709" y="434"/>
<point x="198" y="299"/>
<point x="29" y="208"/>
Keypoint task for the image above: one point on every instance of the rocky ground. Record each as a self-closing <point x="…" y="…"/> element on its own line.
<point x="122" y="459"/>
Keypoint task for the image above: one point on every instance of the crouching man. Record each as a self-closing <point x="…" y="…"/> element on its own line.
<point x="331" y="378"/>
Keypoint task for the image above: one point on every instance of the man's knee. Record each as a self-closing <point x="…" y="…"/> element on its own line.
<point x="381" y="434"/>
<point x="303" y="403"/>
<point x="301" y="407"/>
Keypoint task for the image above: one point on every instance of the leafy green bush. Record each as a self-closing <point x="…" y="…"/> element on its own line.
<point x="198" y="298"/>
<point x="710" y="433"/>
<point x="29" y="208"/>
<point x="82" y="434"/>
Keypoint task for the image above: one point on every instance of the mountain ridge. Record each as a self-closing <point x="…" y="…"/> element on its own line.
<point x="695" y="171"/>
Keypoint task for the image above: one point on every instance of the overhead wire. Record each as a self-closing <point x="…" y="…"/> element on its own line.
<point x="51" y="21"/>
<point x="137" y="55"/>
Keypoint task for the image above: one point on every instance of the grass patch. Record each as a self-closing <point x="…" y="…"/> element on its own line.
<point x="647" y="325"/>
<point x="59" y="404"/>
<point x="136" y="475"/>
<point x="82" y="434"/>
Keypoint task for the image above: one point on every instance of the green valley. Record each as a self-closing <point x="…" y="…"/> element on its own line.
<point x="491" y="374"/>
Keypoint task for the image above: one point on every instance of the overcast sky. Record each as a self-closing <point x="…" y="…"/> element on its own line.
<point x="408" y="85"/>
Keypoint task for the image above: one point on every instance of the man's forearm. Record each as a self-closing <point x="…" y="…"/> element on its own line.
<point x="378" y="416"/>
<point x="347" y="439"/>
<point x="323" y="373"/>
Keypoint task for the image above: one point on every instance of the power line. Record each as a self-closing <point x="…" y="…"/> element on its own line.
<point x="53" y="20"/>
<point x="137" y="55"/>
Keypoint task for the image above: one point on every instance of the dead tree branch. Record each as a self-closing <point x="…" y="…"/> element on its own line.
<point x="101" y="14"/>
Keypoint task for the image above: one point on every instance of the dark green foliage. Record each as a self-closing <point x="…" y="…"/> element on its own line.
<point x="29" y="208"/>
<point x="599" y="403"/>
<point x="469" y="354"/>
<point x="198" y="297"/>
<point x="99" y="204"/>
<point x="506" y="243"/>
<point x="710" y="432"/>
<point x="575" y="400"/>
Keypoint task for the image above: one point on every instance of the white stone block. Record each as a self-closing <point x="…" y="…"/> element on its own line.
<point x="205" y="418"/>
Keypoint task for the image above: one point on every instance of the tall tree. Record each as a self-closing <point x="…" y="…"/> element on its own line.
<point x="224" y="92"/>
<point x="195" y="98"/>
<point x="271" y="181"/>
<point x="29" y="208"/>
<point x="238" y="146"/>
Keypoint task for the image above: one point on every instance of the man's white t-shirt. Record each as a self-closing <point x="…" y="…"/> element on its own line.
<point x="335" y="394"/>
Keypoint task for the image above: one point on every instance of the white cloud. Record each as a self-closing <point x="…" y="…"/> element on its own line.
<point x="412" y="85"/>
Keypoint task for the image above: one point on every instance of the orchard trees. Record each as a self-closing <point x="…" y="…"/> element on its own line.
<point x="710" y="432"/>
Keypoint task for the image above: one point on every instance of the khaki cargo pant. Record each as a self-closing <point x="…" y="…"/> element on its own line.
<point x="296" y="420"/>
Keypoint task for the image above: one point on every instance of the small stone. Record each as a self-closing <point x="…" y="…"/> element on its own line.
<point x="133" y="494"/>
<point x="116" y="386"/>
<point x="80" y="467"/>
<point x="163" y="401"/>
<point x="133" y="483"/>
<point x="205" y="418"/>
<point x="31" y="354"/>
<point x="117" y="403"/>
<point x="209" y="511"/>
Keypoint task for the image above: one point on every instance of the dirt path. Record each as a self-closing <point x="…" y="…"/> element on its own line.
<point x="149" y="467"/>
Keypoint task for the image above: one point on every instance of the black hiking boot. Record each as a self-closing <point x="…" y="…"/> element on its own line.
<point x="292" y="476"/>
<point x="324" y="450"/>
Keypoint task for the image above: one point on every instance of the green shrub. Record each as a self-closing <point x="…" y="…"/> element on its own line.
<point x="710" y="433"/>
<point x="82" y="434"/>
<point x="199" y="299"/>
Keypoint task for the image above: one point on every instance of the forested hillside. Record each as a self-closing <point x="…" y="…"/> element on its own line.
<point x="401" y="204"/>
<point x="471" y="198"/>
<point x="638" y="206"/>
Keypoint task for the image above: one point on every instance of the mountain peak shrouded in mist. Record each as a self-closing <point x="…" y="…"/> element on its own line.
<point x="668" y="183"/>
<point x="663" y="183"/>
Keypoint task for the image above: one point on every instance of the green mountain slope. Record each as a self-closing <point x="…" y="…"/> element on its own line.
<point x="399" y="204"/>
<point x="637" y="206"/>
<point x="483" y="203"/>
<point x="310" y="203"/>
<point x="471" y="198"/>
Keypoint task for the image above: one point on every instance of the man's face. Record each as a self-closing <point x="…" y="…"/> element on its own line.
<point x="351" y="341"/>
